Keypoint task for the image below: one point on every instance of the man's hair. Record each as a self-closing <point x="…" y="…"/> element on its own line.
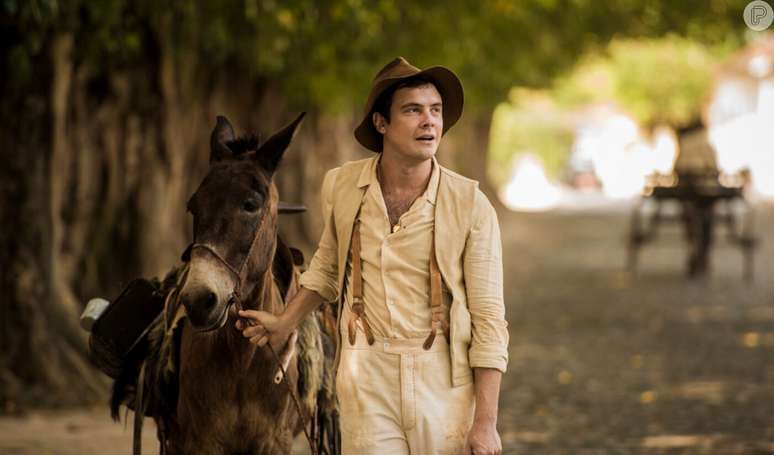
<point x="384" y="102"/>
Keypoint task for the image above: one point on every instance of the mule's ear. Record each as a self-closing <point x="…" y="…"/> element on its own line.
<point x="221" y="134"/>
<point x="270" y="152"/>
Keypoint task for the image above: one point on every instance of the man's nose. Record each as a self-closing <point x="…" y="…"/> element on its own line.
<point x="428" y="119"/>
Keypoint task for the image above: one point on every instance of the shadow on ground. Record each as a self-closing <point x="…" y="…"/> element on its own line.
<point x="604" y="362"/>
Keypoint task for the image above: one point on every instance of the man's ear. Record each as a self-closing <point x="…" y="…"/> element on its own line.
<point x="379" y="122"/>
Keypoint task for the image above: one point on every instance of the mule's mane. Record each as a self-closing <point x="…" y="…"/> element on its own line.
<point x="244" y="144"/>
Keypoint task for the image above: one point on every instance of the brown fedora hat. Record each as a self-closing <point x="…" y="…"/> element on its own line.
<point x="447" y="83"/>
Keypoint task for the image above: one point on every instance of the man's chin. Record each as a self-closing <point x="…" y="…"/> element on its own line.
<point x="419" y="153"/>
<point x="425" y="152"/>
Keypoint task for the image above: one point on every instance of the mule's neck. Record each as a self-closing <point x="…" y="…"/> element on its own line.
<point x="262" y="297"/>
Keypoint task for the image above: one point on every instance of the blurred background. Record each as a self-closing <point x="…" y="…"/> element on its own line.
<point x="627" y="146"/>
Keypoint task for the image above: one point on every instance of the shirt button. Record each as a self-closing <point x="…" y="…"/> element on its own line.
<point x="386" y="345"/>
<point x="396" y="228"/>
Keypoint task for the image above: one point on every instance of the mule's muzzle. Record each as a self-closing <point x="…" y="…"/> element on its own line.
<point x="203" y="309"/>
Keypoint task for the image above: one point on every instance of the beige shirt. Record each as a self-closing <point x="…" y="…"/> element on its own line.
<point x="396" y="265"/>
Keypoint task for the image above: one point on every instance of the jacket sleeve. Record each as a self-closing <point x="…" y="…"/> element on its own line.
<point x="322" y="275"/>
<point x="483" y="272"/>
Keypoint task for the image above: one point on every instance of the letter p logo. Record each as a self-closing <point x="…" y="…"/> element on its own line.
<point x="758" y="15"/>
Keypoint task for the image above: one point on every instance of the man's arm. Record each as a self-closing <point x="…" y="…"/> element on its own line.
<point x="483" y="272"/>
<point x="483" y="437"/>
<point x="488" y="353"/>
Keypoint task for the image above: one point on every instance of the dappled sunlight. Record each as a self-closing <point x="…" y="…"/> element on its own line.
<point x="622" y="157"/>
<point x="611" y="160"/>
<point x="740" y="116"/>
<point x="709" y="391"/>
<point x="622" y="128"/>
<point x="679" y="441"/>
<point x="529" y="188"/>
<point x="611" y="144"/>
<point x="741" y="144"/>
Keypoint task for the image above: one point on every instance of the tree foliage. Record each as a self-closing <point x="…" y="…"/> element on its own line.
<point x="660" y="81"/>
<point x="324" y="53"/>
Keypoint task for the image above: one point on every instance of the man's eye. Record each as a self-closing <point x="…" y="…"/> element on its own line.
<point x="250" y="205"/>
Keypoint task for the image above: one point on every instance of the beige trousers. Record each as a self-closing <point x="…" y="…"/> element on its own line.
<point x="397" y="398"/>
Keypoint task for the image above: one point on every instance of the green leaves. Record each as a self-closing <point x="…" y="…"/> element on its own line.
<point x="658" y="81"/>
<point x="325" y="53"/>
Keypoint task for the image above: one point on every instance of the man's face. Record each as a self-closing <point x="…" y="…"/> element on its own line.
<point x="416" y="123"/>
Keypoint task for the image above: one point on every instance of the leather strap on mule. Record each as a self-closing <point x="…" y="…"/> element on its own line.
<point x="139" y="412"/>
<point x="358" y="309"/>
<point x="237" y="272"/>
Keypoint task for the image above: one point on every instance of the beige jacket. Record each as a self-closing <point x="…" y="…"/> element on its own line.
<point x="468" y="250"/>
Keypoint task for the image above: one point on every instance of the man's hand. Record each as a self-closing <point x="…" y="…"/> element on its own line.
<point x="265" y="327"/>
<point x="483" y="440"/>
<point x="483" y="437"/>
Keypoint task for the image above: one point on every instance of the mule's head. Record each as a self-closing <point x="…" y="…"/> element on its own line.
<point x="235" y="223"/>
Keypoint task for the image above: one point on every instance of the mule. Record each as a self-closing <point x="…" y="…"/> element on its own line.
<point x="219" y="393"/>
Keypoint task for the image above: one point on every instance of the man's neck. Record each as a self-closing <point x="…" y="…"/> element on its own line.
<point x="398" y="176"/>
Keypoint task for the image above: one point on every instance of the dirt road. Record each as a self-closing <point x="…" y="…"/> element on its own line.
<point x="601" y="362"/>
<point x="606" y="363"/>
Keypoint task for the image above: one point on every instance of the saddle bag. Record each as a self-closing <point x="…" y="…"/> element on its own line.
<point x="119" y="334"/>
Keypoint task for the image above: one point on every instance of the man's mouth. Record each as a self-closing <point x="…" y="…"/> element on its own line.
<point x="426" y="138"/>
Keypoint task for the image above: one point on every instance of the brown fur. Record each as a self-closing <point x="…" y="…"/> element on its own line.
<point x="209" y="389"/>
<point x="228" y="402"/>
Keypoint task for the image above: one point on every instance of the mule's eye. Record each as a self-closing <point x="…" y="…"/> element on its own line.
<point x="250" y="205"/>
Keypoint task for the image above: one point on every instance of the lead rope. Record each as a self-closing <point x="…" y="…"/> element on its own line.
<point x="139" y="412"/>
<point x="305" y="418"/>
<point x="236" y="300"/>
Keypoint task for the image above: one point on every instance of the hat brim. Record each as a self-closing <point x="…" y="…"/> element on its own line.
<point x="445" y="81"/>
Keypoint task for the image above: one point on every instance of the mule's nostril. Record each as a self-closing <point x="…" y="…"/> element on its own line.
<point x="210" y="300"/>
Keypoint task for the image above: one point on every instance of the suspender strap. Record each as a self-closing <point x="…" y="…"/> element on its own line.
<point x="436" y="302"/>
<point x="438" y="315"/>
<point x="358" y="310"/>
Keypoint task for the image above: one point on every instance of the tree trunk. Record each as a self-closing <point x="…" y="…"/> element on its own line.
<point x="43" y="349"/>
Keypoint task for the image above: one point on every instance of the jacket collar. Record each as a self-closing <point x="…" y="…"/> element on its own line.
<point x="368" y="176"/>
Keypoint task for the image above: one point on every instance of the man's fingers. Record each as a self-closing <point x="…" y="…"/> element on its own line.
<point x="253" y="331"/>
<point x="254" y="315"/>
<point x="259" y="340"/>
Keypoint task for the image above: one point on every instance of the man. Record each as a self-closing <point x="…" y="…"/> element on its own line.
<point x="412" y="251"/>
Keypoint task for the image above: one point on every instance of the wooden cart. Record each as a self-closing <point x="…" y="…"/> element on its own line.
<point x="702" y="203"/>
